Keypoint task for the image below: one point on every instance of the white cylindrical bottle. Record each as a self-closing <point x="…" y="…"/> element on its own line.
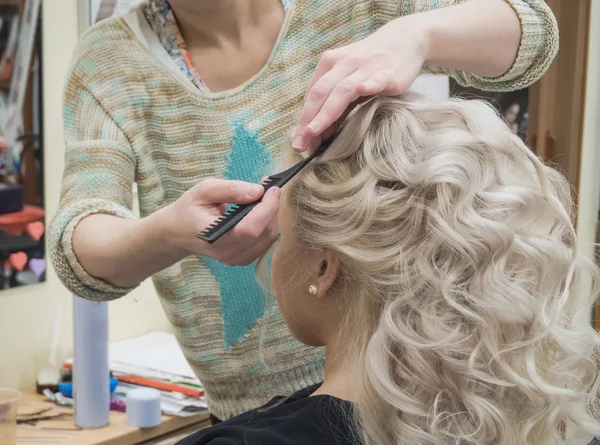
<point x="143" y="408"/>
<point x="91" y="374"/>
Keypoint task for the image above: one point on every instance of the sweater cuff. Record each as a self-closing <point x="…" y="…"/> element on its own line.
<point x="537" y="49"/>
<point x="539" y="43"/>
<point x="65" y="262"/>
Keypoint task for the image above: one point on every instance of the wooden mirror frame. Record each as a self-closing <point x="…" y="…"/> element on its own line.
<point x="556" y="102"/>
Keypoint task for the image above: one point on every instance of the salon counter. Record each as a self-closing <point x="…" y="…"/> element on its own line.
<point x="62" y="430"/>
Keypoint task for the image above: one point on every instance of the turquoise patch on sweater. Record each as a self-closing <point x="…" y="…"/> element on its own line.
<point x="242" y="299"/>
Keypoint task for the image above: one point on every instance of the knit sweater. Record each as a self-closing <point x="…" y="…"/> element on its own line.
<point x="130" y="116"/>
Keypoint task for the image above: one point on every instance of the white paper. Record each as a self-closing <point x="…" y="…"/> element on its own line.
<point x="171" y="403"/>
<point x="125" y="369"/>
<point x="435" y="87"/>
<point x="156" y="351"/>
<point x="177" y="409"/>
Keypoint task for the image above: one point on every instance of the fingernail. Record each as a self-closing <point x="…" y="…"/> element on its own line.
<point x="314" y="125"/>
<point x="367" y="86"/>
<point x="254" y="192"/>
<point x="298" y="142"/>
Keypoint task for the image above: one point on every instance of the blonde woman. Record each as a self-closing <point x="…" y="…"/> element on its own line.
<point x="432" y="254"/>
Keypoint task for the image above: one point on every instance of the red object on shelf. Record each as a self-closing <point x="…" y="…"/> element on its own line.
<point x="162" y="386"/>
<point x="151" y="383"/>
<point x="15" y="223"/>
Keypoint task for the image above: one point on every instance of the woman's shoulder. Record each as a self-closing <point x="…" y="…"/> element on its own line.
<point x="106" y="46"/>
<point x="320" y="420"/>
<point x="105" y="36"/>
<point x="109" y="53"/>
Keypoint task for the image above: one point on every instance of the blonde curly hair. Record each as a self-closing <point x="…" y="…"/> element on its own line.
<point x="458" y="256"/>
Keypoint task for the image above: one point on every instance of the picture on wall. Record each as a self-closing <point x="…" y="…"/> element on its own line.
<point x="22" y="215"/>
<point x="513" y="105"/>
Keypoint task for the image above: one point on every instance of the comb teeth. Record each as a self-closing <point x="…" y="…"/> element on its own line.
<point x="268" y="182"/>
<point x="232" y="211"/>
<point x="212" y="226"/>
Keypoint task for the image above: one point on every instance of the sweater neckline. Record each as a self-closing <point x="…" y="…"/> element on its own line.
<point x="155" y="52"/>
<point x="162" y="20"/>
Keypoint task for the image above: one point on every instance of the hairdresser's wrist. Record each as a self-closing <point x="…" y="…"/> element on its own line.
<point x="162" y="234"/>
<point x="434" y="36"/>
<point x="477" y="37"/>
<point x="417" y="29"/>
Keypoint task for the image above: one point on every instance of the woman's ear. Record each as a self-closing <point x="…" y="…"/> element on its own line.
<point x="330" y="271"/>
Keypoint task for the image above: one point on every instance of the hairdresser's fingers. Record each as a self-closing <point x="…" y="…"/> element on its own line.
<point x="245" y="253"/>
<point x="259" y="218"/>
<point x="222" y="207"/>
<point x="317" y="94"/>
<point x="381" y="82"/>
<point x="250" y="254"/>
<point x="246" y="231"/>
<point x="326" y="63"/>
<point x="387" y="83"/>
<point x="242" y="254"/>
<point x="316" y="141"/>
<point x="315" y="99"/>
<point x="375" y="84"/>
<point x="344" y="93"/>
<point x="218" y="191"/>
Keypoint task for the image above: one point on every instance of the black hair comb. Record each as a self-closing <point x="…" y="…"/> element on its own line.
<point x="235" y="213"/>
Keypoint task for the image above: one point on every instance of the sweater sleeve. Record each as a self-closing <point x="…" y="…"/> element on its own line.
<point x="98" y="177"/>
<point x="538" y="47"/>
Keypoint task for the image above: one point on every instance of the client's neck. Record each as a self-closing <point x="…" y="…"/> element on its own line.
<point x="338" y="376"/>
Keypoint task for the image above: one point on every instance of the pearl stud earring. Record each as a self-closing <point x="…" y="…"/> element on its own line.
<point x="312" y="289"/>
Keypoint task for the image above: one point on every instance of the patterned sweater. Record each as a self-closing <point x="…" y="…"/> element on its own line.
<point x="130" y="116"/>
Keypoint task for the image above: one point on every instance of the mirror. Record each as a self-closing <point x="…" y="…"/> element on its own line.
<point x="92" y="11"/>
<point x="513" y="105"/>
<point x="22" y="216"/>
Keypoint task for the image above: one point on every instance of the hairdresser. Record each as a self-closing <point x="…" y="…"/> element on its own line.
<point x="179" y="91"/>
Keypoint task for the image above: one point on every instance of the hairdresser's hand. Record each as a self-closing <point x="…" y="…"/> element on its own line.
<point x="385" y="63"/>
<point x="205" y="202"/>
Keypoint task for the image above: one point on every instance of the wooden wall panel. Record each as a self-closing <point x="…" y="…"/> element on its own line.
<point x="557" y="100"/>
